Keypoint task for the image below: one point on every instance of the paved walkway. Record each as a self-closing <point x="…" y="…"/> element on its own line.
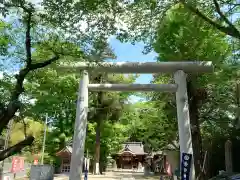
<point x="115" y="176"/>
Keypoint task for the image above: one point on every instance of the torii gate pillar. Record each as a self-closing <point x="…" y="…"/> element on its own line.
<point x="80" y="129"/>
<point x="184" y="126"/>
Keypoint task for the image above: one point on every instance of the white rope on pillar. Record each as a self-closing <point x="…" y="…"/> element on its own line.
<point x="183" y="117"/>
<point x="80" y="129"/>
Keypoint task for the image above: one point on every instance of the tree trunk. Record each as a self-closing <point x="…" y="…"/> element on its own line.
<point x="98" y="128"/>
<point x="238" y="105"/>
<point x="97" y="147"/>
<point x="208" y="165"/>
<point x="228" y="156"/>
<point x="195" y="129"/>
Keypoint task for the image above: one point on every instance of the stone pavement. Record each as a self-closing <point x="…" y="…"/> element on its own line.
<point x="114" y="176"/>
<point x="109" y="176"/>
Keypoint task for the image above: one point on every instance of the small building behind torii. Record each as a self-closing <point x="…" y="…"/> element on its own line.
<point x="131" y="156"/>
<point x="65" y="157"/>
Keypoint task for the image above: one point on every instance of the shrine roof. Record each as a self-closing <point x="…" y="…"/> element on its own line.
<point x="133" y="148"/>
<point x="67" y="149"/>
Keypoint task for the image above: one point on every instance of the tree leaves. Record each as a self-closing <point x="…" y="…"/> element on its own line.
<point x="148" y="123"/>
<point x="5" y="39"/>
<point x="144" y="16"/>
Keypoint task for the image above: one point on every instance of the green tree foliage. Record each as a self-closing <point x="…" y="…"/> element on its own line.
<point x="107" y="106"/>
<point x="144" y="16"/>
<point x="5" y="39"/>
<point x="43" y="36"/>
<point x="179" y="40"/>
<point x="30" y="127"/>
<point x="56" y="95"/>
<point x="183" y="36"/>
<point x="147" y="122"/>
<point x="112" y="136"/>
<point x="185" y="33"/>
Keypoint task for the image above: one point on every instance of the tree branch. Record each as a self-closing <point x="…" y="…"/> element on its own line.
<point x="23" y="6"/>
<point x="14" y="104"/>
<point x="222" y="16"/>
<point x="24" y="128"/>
<point x="17" y="148"/>
<point x="227" y="30"/>
<point x="9" y="113"/>
<point x="19" y="84"/>
<point x="2" y="109"/>
<point x="28" y="39"/>
<point x="22" y="74"/>
<point x="45" y="63"/>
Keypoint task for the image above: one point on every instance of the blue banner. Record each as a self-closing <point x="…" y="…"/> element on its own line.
<point x="186" y="166"/>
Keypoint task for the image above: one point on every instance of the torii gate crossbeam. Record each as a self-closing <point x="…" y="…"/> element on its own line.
<point x="140" y="67"/>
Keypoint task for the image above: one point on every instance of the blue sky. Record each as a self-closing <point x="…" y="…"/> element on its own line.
<point x="133" y="53"/>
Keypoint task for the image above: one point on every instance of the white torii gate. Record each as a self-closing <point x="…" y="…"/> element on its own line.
<point x="179" y="69"/>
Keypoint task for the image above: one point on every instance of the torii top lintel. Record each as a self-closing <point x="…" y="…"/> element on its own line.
<point x="140" y="67"/>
